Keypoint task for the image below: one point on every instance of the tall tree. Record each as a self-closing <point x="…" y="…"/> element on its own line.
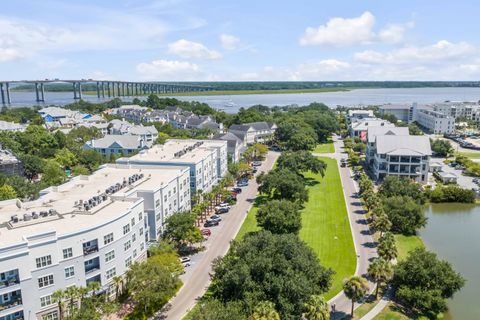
<point x="316" y="308"/>
<point x="380" y="270"/>
<point x="264" y="310"/>
<point x="301" y="161"/>
<point x="405" y="214"/>
<point x="180" y="228"/>
<point x="283" y="184"/>
<point x="7" y="192"/>
<point x="423" y="282"/>
<point x="355" y="289"/>
<point x="387" y="247"/>
<point x="279" y="216"/>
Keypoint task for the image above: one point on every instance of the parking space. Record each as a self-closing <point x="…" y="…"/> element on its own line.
<point x="462" y="180"/>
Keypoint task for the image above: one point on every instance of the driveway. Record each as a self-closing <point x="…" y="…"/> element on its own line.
<point x="364" y="245"/>
<point x="197" y="276"/>
<point x="463" y="181"/>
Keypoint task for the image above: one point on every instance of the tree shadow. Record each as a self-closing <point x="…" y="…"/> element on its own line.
<point x="367" y="232"/>
<point x="362" y="221"/>
<point x="339" y="315"/>
<point x="369" y="244"/>
<point x="310" y="182"/>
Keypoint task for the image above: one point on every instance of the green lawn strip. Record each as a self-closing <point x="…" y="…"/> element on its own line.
<point x="325" y="225"/>
<point x="391" y="312"/>
<point x="471" y="155"/>
<point x="250" y="223"/>
<point x="363" y="309"/>
<point x="405" y="244"/>
<point x="325" y="147"/>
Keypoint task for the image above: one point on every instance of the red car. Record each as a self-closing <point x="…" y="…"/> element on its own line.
<point x="206" y="232"/>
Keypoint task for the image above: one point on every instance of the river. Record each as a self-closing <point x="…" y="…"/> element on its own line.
<point x="231" y="103"/>
<point x="453" y="233"/>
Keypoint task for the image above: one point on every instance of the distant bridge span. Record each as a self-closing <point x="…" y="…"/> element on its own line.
<point x="105" y="88"/>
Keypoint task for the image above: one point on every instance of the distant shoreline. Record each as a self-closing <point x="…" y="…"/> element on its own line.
<point x="222" y="92"/>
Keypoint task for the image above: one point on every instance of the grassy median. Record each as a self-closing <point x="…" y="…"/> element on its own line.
<point x="325" y="225"/>
<point x="325" y="147"/>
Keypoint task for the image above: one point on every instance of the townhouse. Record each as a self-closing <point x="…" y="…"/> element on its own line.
<point x="112" y="144"/>
<point x="235" y="145"/>
<point x="253" y="132"/>
<point x="12" y="126"/>
<point x="373" y="132"/>
<point x="359" y="127"/>
<point x="9" y="163"/>
<point x="55" y="117"/>
<point x="359" y="114"/>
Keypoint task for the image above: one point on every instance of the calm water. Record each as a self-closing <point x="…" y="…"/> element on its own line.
<point x="234" y="102"/>
<point x="453" y="233"/>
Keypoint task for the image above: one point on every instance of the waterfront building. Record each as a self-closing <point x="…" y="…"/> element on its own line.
<point x="111" y="144"/>
<point x="373" y="132"/>
<point x="359" y="114"/>
<point x="359" y="127"/>
<point x="254" y="132"/>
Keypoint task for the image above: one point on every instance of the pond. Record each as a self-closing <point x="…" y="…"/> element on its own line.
<point x="453" y="232"/>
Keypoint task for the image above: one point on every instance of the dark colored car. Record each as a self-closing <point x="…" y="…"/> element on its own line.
<point x="237" y="190"/>
<point x="222" y="210"/>
<point x="211" y="223"/>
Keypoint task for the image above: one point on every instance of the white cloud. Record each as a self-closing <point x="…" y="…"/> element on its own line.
<point x="168" y="70"/>
<point x="9" y="54"/>
<point x="192" y="50"/>
<point x="341" y="31"/>
<point x="440" y="51"/>
<point x="229" y="42"/>
<point x="349" y="31"/>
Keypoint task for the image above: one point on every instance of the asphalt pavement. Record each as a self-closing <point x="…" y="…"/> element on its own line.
<point x="197" y="276"/>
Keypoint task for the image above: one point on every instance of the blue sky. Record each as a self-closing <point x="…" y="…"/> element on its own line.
<point x="171" y="40"/>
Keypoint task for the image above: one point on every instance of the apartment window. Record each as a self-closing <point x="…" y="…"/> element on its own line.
<point x="133" y="222"/>
<point x="134" y="237"/>
<point x="126" y="229"/>
<point x="128" y="262"/>
<point x="44" y="261"/>
<point x="111" y="273"/>
<point x="140" y="231"/>
<point x="50" y="316"/>
<point x="170" y="207"/>
<point x="169" y="193"/>
<point x="46" y="301"/>
<point x="157" y="217"/>
<point x="175" y="203"/>
<point x="69" y="272"/>
<point x="134" y="254"/>
<point x="109" y="256"/>
<point x="45" y="281"/>
<point x="174" y="189"/>
<point x="67" y="253"/>
<point x="108" y="238"/>
<point x="140" y="215"/>
<point x="127" y="245"/>
<point x="142" y="246"/>
<point x="165" y="198"/>
<point x="157" y="203"/>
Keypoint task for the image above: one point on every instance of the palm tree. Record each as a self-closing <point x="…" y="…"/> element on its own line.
<point x="382" y="224"/>
<point x="355" y="289"/>
<point x="82" y="292"/>
<point x="316" y="308"/>
<point x="381" y="271"/>
<point x="265" y="310"/>
<point x="118" y="282"/>
<point x="94" y="287"/>
<point x="387" y="248"/>
<point x="71" y="294"/>
<point x="58" y="296"/>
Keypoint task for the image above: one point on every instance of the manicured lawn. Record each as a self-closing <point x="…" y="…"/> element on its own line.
<point x="405" y="244"/>
<point x="325" y="225"/>
<point x="250" y="223"/>
<point x="471" y="155"/>
<point x="325" y="147"/>
<point x="391" y="313"/>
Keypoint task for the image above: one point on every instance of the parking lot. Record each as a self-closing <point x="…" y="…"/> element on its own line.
<point x="463" y="181"/>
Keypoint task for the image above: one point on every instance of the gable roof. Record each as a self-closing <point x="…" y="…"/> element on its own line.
<point x="373" y="132"/>
<point x="403" y="145"/>
<point x="124" y="141"/>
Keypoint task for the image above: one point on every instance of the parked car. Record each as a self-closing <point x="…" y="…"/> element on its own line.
<point x="220" y="207"/>
<point x="206" y="232"/>
<point x="211" y="223"/>
<point x="254" y="170"/>
<point x="224" y="204"/>
<point x="222" y="210"/>
<point x="236" y="190"/>
<point x="256" y="163"/>
<point x="184" y="259"/>
<point x="242" y="184"/>
<point x="215" y="217"/>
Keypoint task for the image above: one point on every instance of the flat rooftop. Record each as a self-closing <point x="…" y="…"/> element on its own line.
<point x="62" y="209"/>
<point x="176" y="151"/>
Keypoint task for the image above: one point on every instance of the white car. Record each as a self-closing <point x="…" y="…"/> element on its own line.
<point x="185" y="260"/>
<point x="222" y="205"/>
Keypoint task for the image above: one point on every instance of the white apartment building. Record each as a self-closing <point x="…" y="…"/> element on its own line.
<point x="373" y="132"/>
<point x="359" y="114"/>
<point x="206" y="160"/>
<point x="403" y="112"/>
<point x="434" y="121"/>
<point x="89" y="229"/>
<point x="359" y="128"/>
<point x="405" y="156"/>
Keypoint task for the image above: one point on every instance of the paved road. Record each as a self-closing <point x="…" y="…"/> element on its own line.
<point x="197" y="277"/>
<point x="364" y="244"/>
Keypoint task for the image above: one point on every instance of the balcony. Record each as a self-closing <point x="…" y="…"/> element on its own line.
<point x="90" y="247"/>
<point x="97" y="278"/>
<point x="8" y="279"/>
<point x="10" y="300"/>
<point x="92" y="265"/>
<point x="13" y="315"/>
